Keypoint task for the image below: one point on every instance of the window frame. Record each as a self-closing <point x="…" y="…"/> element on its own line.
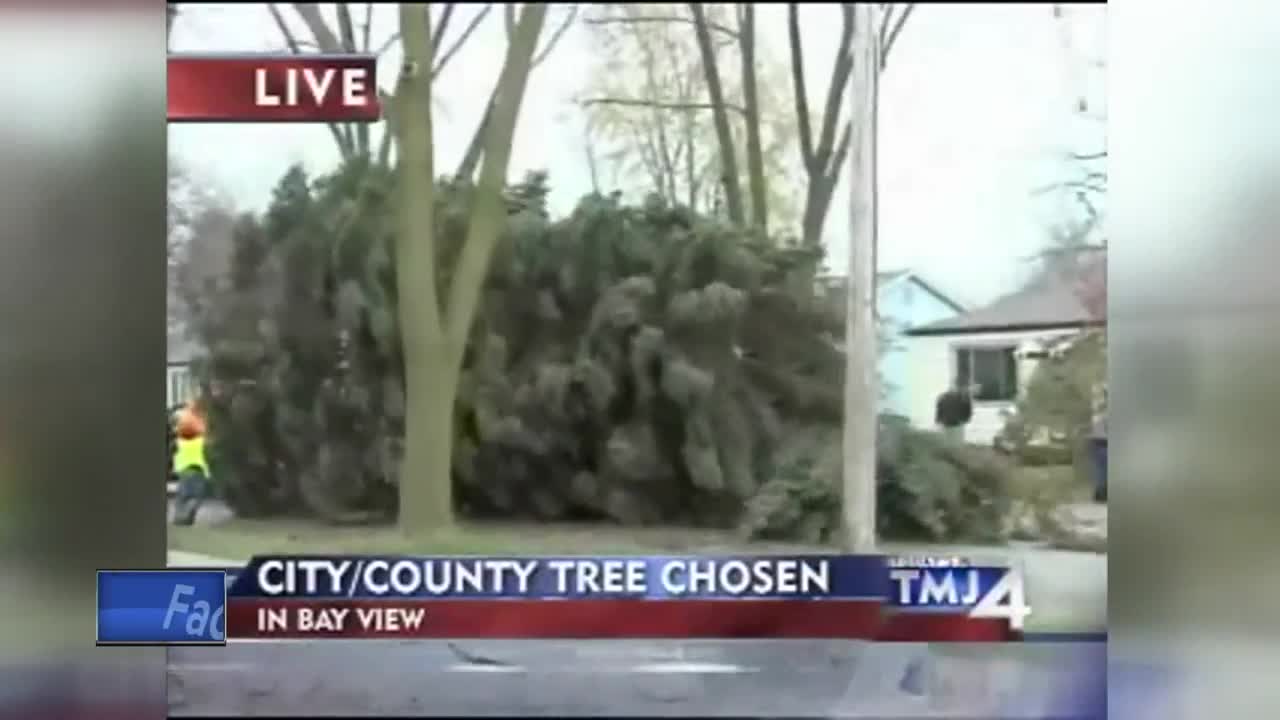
<point x="179" y="377"/>
<point x="1010" y="347"/>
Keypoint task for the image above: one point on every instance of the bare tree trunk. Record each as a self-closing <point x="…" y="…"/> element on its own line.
<point x="730" y="178"/>
<point x="433" y="333"/>
<point x="860" y="399"/>
<point x="426" y="488"/>
<point x="751" y="101"/>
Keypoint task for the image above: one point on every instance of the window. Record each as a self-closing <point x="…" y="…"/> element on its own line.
<point x="994" y="370"/>
<point x="179" y="385"/>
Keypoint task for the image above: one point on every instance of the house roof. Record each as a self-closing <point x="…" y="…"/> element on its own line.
<point x="886" y="279"/>
<point x="1052" y="304"/>
<point x="836" y="284"/>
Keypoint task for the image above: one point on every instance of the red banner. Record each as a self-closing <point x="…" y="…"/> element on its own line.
<point x="598" y="619"/>
<point x="273" y="88"/>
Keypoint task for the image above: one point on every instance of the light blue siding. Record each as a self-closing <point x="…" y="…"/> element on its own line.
<point x="903" y="302"/>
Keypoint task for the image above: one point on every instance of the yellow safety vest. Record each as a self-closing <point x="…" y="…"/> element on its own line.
<point x="190" y="453"/>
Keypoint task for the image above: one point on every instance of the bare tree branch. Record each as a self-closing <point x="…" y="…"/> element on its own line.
<point x="344" y="144"/>
<point x="437" y="37"/>
<point x="722" y="29"/>
<point x="887" y="40"/>
<point x="1070" y="185"/>
<point x="840" y="71"/>
<point x="366" y="29"/>
<point x="483" y="230"/>
<point x="886" y="17"/>
<point x="750" y="98"/>
<point x="842" y="151"/>
<point x="320" y="31"/>
<point x="1090" y="209"/>
<point x="720" y="118"/>
<point x="801" y="91"/>
<point x="328" y="43"/>
<point x="289" y="38"/>
<point x="555" y="36"/>
<point x="346" y="26"/>
<point x="475" y="149"/>
<point x="387" y="45"/>
<point x="660" y="105"/>
<point x="462" y="39"/>
<point x="389" y="130"/>
<point x="589" y="147"/>
<point x="662" y="163"/>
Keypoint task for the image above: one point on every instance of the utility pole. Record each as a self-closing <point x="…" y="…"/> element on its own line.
<point x="861" y="381"/>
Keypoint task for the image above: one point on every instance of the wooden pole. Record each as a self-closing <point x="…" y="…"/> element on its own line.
<point x="861" y="391"/>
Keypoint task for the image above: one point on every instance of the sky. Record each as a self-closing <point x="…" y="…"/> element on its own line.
<point x="976" y="112"/>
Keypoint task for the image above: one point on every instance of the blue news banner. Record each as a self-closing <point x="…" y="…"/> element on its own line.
<point x="162" y="607"/>
<point x="870" y="597"/>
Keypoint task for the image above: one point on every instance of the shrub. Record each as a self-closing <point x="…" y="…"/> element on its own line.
<point x="1053" y="417"/>
<point x="927" y="489"/>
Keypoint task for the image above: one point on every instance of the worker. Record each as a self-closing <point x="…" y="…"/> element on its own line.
<point x="190" y="466"/>
<point x="192" y="412"/>
<point x="1098" y="442"/>
<point x="954" y="410"/>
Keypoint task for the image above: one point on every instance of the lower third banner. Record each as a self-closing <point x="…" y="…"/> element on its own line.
<point x="598" y="619"/>
<point x="161" y="607"/>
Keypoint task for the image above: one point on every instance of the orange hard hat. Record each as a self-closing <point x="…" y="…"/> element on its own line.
<point x="189" y="425"/>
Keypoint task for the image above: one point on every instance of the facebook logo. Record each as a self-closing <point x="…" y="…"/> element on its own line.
<point x="162" y="607"/>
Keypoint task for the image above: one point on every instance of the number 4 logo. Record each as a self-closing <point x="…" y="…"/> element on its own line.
<point x="1006" y="601"/>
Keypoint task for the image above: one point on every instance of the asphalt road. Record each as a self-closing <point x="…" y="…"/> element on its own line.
<point x="617" y="678"/>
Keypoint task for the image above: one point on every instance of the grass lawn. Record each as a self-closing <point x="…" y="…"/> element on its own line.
<point x="1051" y="485"/>
<point x="1078" y="604"/>
<point x="237" y="538"/>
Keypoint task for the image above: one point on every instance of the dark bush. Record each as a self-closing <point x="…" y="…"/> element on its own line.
<point x="928" y="489"/>
<point x="1053" y="417"/>
<point x="630" y="363"/>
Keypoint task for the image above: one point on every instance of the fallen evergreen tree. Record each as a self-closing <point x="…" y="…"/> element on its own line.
<point x="632" y="364"/>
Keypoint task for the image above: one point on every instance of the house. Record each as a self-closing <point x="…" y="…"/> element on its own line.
<point x="179" y="385"/>
<point x="996" y="348"/>
<point x="904" y="300"/>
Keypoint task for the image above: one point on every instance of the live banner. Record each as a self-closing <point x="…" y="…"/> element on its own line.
<point x="273" y="88"/>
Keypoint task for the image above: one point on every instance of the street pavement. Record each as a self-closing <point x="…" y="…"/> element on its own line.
<point x="790" y="679"/>
<point x="649" y="678"/>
